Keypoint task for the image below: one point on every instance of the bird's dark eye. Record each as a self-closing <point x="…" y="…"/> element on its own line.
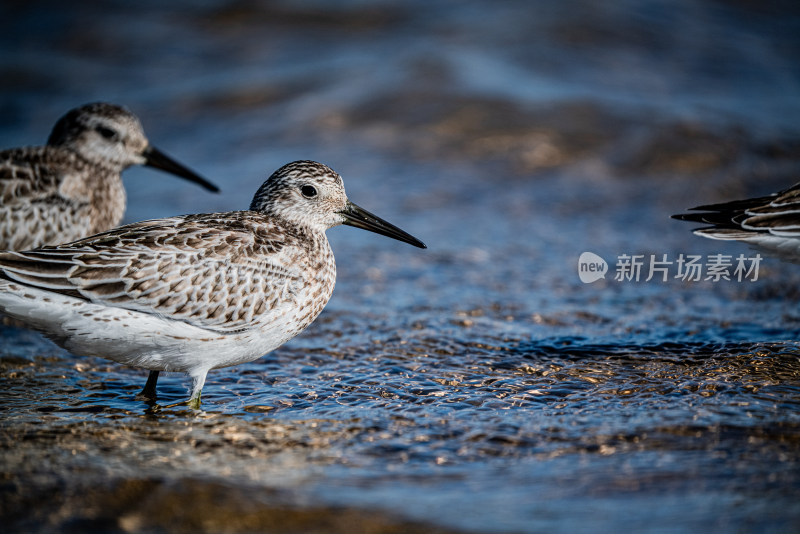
<point x="309" y="191"/>
<point x="108" y="133"/>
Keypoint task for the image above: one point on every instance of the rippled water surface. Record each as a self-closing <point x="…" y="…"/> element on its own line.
<point x="479" y="385"/>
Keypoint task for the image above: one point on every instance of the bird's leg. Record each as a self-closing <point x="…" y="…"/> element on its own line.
<point x="149" y="391"/>
<point x="197" y="388"/>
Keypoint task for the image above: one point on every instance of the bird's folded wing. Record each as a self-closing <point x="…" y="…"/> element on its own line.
<point x="780" y="217"/>
<point x="41" y="196"/>
<point x="777" y="214"/>
<point x="36" y="173"/>
<point x="190" y="269"/>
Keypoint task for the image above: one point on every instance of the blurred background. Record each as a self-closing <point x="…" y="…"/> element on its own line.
<point x="475" y="386"/>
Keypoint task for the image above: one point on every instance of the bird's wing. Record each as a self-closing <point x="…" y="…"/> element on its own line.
<point x="42" y="197"/>
<point x="780" y="217"/>
<point x="212" y="271"/>
<point x="35" y="173"/>
<point x="777" y="214"/>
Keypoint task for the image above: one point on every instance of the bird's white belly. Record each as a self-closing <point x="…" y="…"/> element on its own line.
<point x="135" y="338"/>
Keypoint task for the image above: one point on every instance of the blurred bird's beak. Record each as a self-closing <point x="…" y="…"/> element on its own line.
<point x="157" y="159"/>
<point x="361" y="218"/>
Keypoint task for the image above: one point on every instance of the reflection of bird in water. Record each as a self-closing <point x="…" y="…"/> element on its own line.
<point x="196" y="292"/>
<point x="771" y="222"/>
<point x="72" y="187"/>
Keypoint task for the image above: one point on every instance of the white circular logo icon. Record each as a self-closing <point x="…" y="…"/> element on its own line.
<point x="591" y="267"/>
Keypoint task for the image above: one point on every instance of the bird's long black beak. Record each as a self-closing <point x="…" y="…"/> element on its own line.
<point x="157" y="159"/>
<point x="361" y="218"/>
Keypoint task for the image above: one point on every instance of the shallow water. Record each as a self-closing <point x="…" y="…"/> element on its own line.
<point x="478" y="385"/>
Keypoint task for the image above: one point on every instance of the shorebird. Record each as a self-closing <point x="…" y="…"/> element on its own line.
<point x="196" y="292"/>
<point x="72" y="188"/>
<point x="771" y="223"/>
